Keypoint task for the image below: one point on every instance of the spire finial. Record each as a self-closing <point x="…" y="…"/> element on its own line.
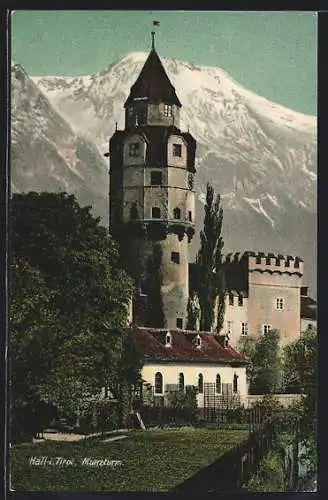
<point x="153" y="40"/>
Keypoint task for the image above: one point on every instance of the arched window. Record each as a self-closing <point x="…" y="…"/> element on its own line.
<point x="156" y="213"/>
<point x="133" y="212"/>
<point x="218" y="384"/>
<point x="158" y="383"/>
<point x="235" y="383"/>
<point x="198" y="341"/>
<point x="177" y="213"/>
<point x="168" y="340"/>
<point x="200" y="383"/>
<point x="181" y="382"/>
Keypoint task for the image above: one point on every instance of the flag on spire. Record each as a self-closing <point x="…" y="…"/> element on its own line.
<point x="156" y="23"/>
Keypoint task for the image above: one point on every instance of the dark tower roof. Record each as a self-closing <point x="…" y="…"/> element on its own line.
<point x="153" y="83"/>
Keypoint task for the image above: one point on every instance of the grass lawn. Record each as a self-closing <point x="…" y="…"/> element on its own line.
<point x="154" y="460"/>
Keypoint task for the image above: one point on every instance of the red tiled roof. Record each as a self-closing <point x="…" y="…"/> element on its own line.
<point x="308" y="308"/>
<point x="151" y="344"/>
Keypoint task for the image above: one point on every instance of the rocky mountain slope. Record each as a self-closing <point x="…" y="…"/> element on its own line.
<point x="259" y="155"/>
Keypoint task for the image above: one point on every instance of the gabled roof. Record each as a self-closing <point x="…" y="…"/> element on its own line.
<point x="153" y="83"/>
<point x="151" y="344"/>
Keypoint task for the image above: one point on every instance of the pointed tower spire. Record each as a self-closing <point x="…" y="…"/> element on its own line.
<point x="153" y="40"/>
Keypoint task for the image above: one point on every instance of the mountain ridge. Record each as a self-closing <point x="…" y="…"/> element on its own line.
<point x="260" y="156"/>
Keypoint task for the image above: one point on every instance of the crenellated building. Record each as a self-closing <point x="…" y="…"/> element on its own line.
<point x="263" y="293"/>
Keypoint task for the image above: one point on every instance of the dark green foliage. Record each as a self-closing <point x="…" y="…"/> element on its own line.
<point x="300" y="366"/>
<point x="69" y="301"/>
<point x="209" y="271"/>
<point x="155" y="313"/>
<point x="266" y="365"/>
<point x="193" y="312"/>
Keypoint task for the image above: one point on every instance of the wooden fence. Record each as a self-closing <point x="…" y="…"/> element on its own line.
<point x="233" y="469"/>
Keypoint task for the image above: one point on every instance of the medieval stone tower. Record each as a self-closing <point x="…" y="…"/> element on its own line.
<point x="152" y="197"/>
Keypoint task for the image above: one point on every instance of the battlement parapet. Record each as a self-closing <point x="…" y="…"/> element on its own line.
<point x="270" y="262"/>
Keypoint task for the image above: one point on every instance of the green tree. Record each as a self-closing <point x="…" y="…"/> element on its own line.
<point x="85" y="293"/>
<point x="300" y="368"/>
<point x="266" y="364"/>
<point x="209" y="271"/>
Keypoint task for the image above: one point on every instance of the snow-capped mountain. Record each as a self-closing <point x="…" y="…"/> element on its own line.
<point x="46" y="154"/>
<point x="260" y="156"/>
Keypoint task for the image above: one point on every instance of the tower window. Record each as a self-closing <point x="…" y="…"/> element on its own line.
<point x="240" y="300"/>
<point x="156" y="213"/>
<point x="218" y="384"/>
<point x="287" y="261"/>
<point x="181" y="382"/>
<point x="231" y="299"/>
<point x="158" y="383"/>
<point x="133" y="212"/>
<point x="190" y="216"/>
<point x="200" y="383"/>
<point x="167" y="110"/>
<point x="244" y="328"/>
<point x="258" y="259"/>
<point x="175" y="257"/>
<point x="156" y="178"/>
<point x="134" y="149"/>
<point x="177" y="148"/>
<point x="279" y="304"/>
<point x="177" y="213"/>
<point x="179" y="323"/>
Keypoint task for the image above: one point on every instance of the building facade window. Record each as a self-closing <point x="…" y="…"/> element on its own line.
<point x="266" y="328"/>
<point x="179" y="323"/>
<point x="198" y="341"/>
<point x="240" y="300"/>
<point x="190" y="216"/>
<point x="279" y="304"/>
<point x="287" y="261"/>
<point x="218" y="387"/>
<point x="168" y="340"/>
<point x="244" y="328"/>
<point x="200" y="383"/>
<point x="177" y="213"/>
<point x="177" y="149"/>
<point x="134" y="149"/>
<point x="231" y="298"/>
<point x="229" y="325"/>
<point x="181" y="382"/>
<point x="156" y="213"/>
<point x="175" y="257"/>
<point x="158" y="383"/>
<point x="235" y="384"/>
<point x="258" y="259"/>
<point x="167" y="110"/>
<point x="156" y="178"/>
<point x="133" y="212"/>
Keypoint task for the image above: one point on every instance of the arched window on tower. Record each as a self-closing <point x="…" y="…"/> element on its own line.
<point x="158" y="383"/>
<point x="200" y="383"/>
<point x="156" y="213"/>
<point x="133" y="212"/>
<point x="181" y="382"/>
<point x="218" y="384"/>
<point x="177" y="213"/>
